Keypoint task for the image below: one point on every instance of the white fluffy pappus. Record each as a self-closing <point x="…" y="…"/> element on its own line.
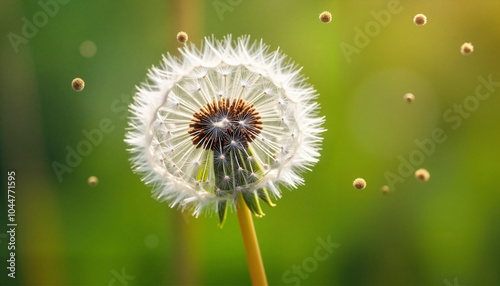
<point x="230" y="117"/>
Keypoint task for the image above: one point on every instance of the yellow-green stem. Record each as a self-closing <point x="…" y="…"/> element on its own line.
<point x="255" y="265"/>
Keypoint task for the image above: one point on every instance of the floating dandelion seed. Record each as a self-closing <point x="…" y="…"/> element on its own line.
<point x="182" y="37"/>
<point x="422" y="175"/>
<point x="78" y="84"/>
<point x="93" y="181"/>
<point x="409" y="97"/>
<point x="385" y="189"/>
<point x="359" y="183"/>
<point x="466" y="49"/>
<point x="420" y="20"/>
<point x="325" y="17"/>
<point x="220" y="106"/>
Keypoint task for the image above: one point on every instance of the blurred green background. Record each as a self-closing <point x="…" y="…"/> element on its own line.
<point x="443" y="232"/>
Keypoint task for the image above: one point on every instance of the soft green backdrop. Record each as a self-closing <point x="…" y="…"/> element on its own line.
<point x="443" y="232"/>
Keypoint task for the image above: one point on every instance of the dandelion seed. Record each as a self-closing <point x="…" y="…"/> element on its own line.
<point x="422" y="175"/>
<point x="385" y="189"/>
<point x="409" y="97"/>
<point x="420" y="20"/>
<point x="222" y="113"/>
<point x="78" y="84"/>
<point x="359" y="183"/>
<point x="466" y="49"/>
<point x="93" y="181"/>
<point x="182" y="37"/>
<point x="325" y="17"/>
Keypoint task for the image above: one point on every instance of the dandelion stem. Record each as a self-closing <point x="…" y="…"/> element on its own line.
<point x="255" y="265"/>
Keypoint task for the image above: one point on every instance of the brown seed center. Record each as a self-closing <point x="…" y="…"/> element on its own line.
<point x="225" y="124"/>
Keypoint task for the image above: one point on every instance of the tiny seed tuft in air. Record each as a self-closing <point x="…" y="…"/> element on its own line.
<point x="359" y="183"/>
<point x="78" y="84"/>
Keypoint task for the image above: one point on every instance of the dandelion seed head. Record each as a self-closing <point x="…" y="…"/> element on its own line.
<point x="359" y="183"/>
<point x="182" y="37"/>
<point x="409" y="97"/>
<point x="206" y="110"/>
<point x="422" y="175"/>
<point x="420" y="19"/>
<point x="93" y="181"/>
<point x="385" y="189"/>
<point x="78" y="84"/>
<point x="325" y="17"/>
<point x="466" y="49"/>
